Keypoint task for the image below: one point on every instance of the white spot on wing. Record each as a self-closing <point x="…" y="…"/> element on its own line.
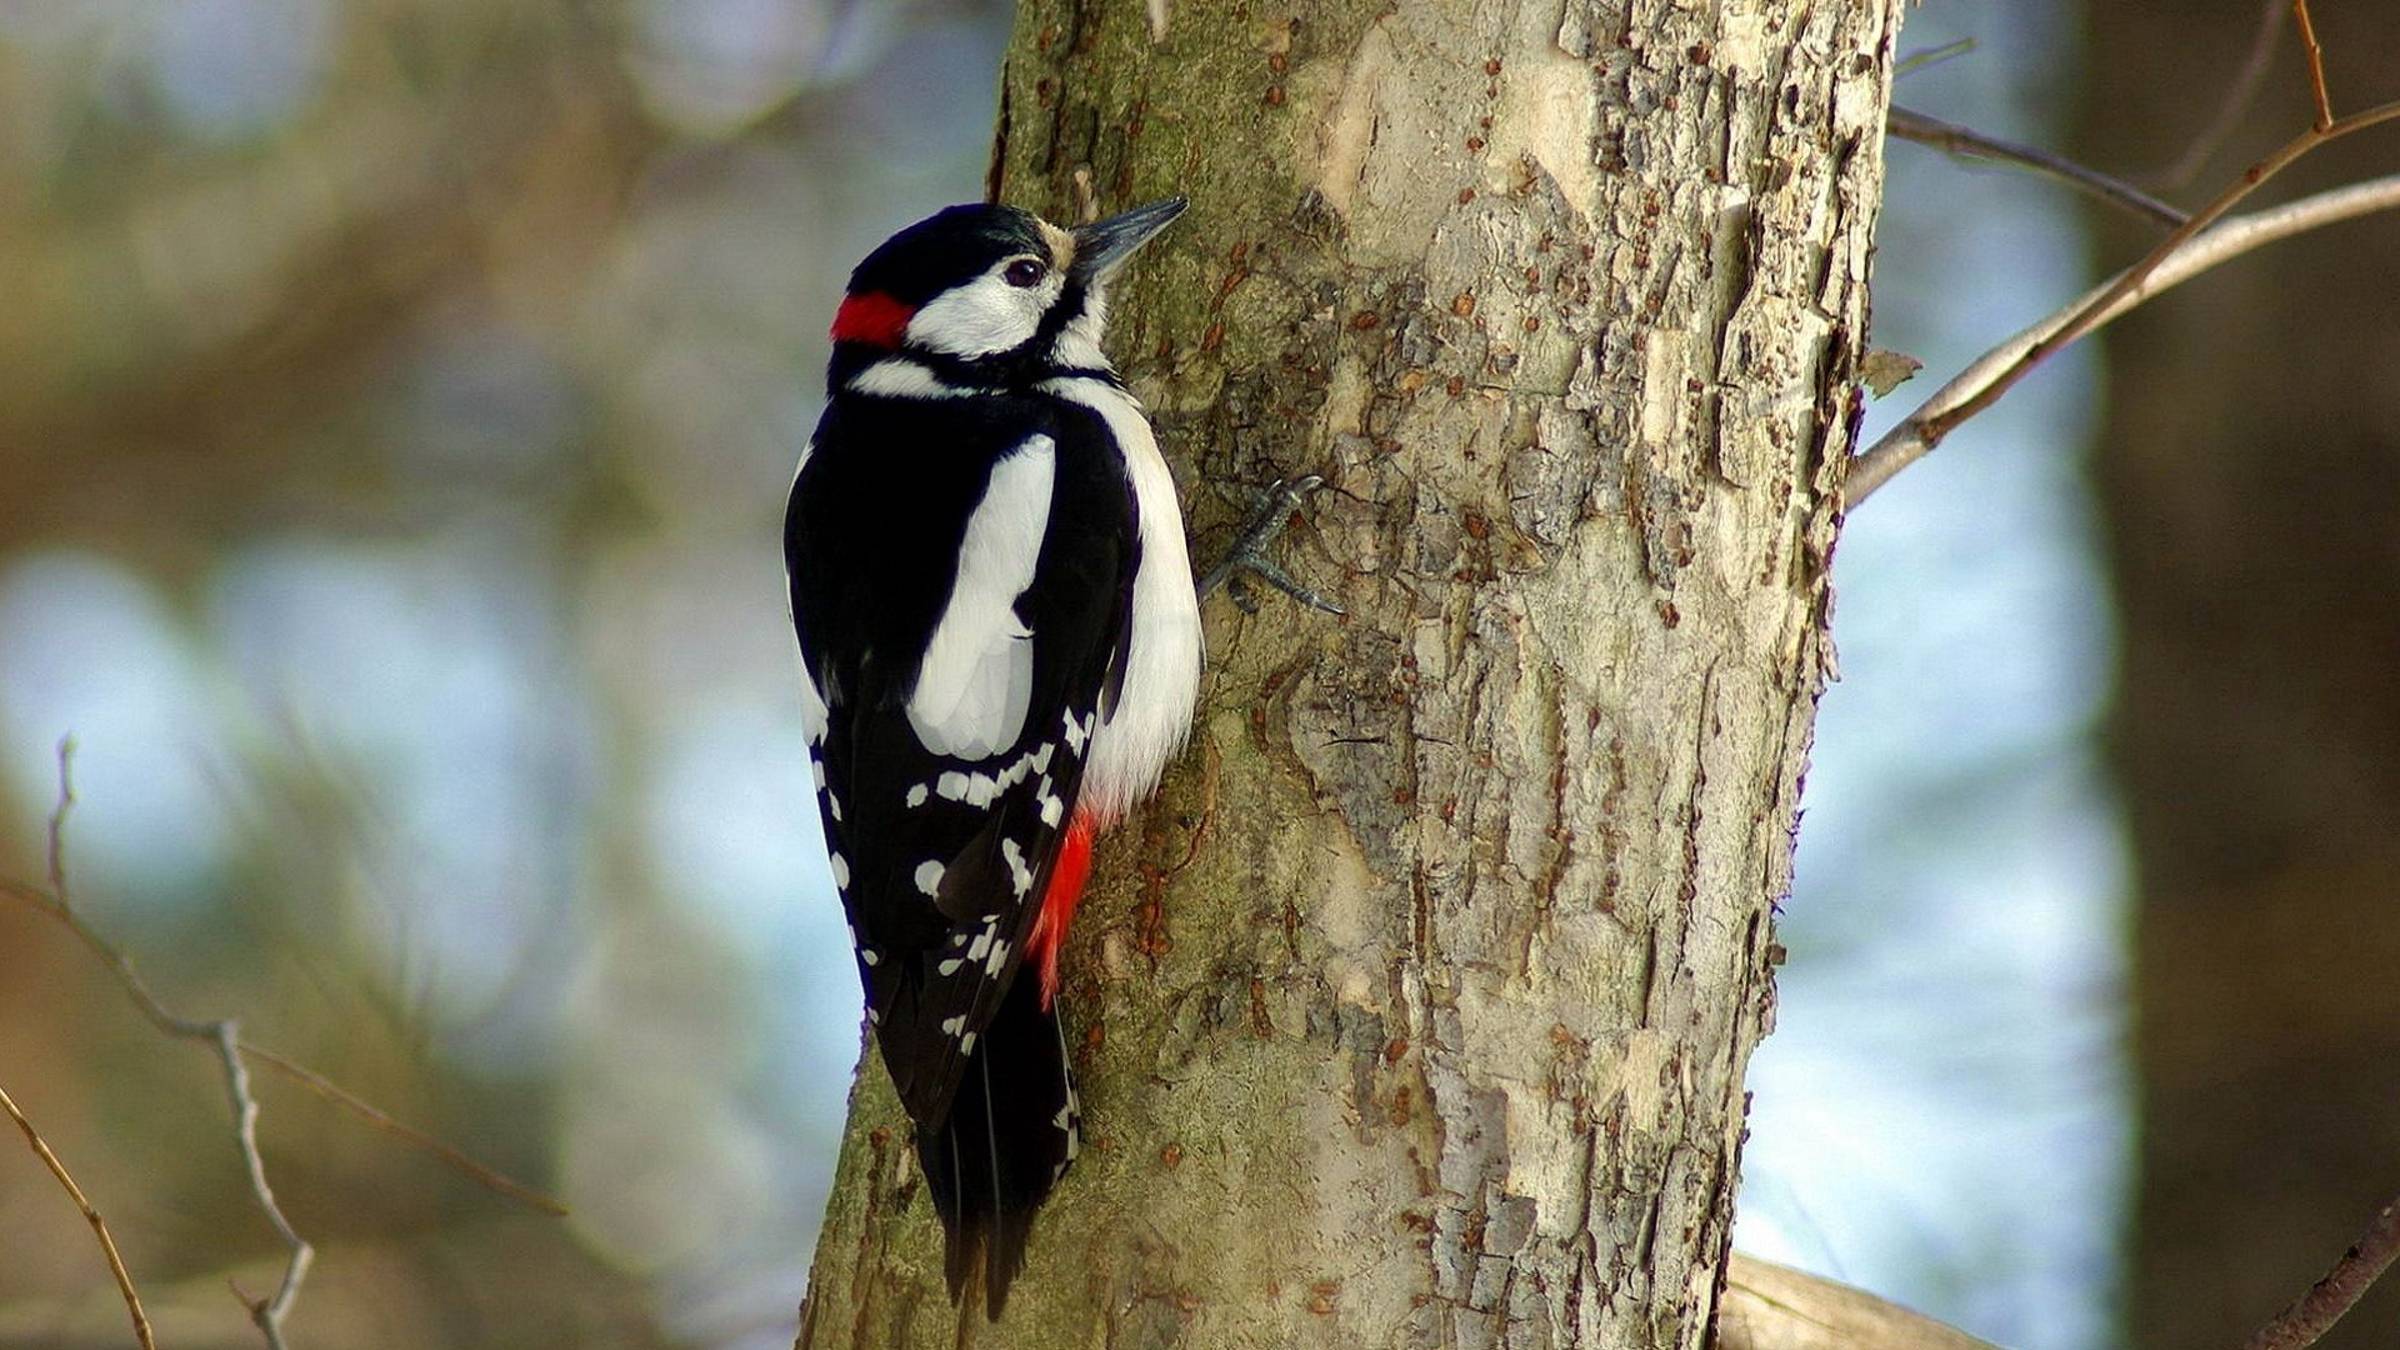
<point x="929" y="878"/>
<point x="953" y="1026"/>
<point x="966" y="1044"/>
<point x="841" y="870"/>
<point x="916" y="795"/>
<point x="976" y="678"/>
<point x="1020" y="877"/>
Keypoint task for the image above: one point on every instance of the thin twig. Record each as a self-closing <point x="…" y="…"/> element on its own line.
<point x="2314" y="1313"/>
<point x="108" y="1245"/>
<point x="2316" y="66"/>
<point x="378" y="1118"/>
<point x="2238" y="98"/>
<point x="1915" y="62"/>
<point x="2182" y="254"/>
<point x="267" y="1314"/>
<point x="224" y="1036"/>
<point x="57" y="830"/>
<point x="1968" y="143"/>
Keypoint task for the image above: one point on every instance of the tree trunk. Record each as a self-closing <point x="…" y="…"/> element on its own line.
<point x="2249" y="481"/>
<point x="1415" y="1012"/>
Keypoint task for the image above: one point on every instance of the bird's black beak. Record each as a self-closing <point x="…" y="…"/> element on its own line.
<point x="1103" y="246"/>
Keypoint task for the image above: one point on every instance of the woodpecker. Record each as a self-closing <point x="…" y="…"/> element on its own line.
<point x="1000" y="651"/>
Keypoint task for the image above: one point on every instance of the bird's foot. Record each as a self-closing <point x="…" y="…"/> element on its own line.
<point x="1269" y="517"/>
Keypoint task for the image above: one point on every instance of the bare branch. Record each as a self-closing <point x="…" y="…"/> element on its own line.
<point x="410" y="1134"/>
<point x="2316" y="66"/>
<point x="268" y="1313"/>
<point x="2315" y="1312"/>
<point x="57" y="832"/>
<point x="1934" y="56"/>
<point x="2182" y="254"/>
<point x="1968" y="143"/>
<point x="108" y="1245"/>
<point x="224" y="1038"/>
<point x="1772" y="1307"/>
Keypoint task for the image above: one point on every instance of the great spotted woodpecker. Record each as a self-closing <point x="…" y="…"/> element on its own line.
<point x="1000" y="650"/>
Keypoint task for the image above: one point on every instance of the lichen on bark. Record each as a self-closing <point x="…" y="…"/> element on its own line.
<point x="1415" y="1011"/>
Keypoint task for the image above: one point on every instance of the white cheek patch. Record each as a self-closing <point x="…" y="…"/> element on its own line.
<point x="977" y="676"/>
<point x="984" y="316"/>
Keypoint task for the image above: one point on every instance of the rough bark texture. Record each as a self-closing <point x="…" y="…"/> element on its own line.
<point x="2249" y="481"/>
<point x="1416" y="1011"/>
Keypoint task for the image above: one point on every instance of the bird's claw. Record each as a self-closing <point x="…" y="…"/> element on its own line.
<point x="1267" y="520"/>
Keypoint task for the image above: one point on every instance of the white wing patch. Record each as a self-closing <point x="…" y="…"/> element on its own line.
<point x="977" y="676"/>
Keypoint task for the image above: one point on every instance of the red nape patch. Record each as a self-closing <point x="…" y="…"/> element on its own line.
<point x="1067" y="876"/>
<point x="875" y="319"/>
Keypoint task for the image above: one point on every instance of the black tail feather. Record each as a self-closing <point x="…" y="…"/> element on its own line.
<point x="1012" y="1130"/>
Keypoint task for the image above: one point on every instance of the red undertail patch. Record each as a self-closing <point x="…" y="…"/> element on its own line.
<point x="874" y="318"/>
<point x="1067" y="876"/>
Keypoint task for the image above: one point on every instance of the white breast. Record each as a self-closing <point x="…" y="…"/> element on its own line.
<point x="1131" y="747"/>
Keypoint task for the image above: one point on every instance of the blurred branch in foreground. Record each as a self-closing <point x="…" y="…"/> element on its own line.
<point x="1772" y="1307"/>
<point x="224" y="1035"/>
<point x="2239" y="95"/>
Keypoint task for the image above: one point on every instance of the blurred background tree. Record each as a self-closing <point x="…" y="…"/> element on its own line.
<point x="396" y="401"/>
<point x="2248" y="479"/>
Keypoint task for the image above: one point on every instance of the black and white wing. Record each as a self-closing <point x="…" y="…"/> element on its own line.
<point x="960" y="578"/>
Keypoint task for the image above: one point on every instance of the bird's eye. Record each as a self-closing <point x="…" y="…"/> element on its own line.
<point x="1024" y="272"/>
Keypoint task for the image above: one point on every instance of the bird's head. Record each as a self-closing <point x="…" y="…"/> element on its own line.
<point x="989" y="294"/>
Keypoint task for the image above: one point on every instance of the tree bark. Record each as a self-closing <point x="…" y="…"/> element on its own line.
<point x="2249" y="485"/>
<point x="1415" y="1012"/>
